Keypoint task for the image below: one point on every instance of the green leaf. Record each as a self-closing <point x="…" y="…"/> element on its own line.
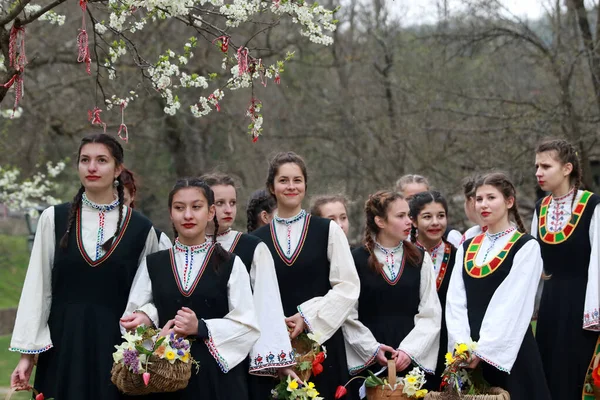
<point x="142" y="350"/>
<point x="305" y="365"/>
<point x="159" y="342"/>
<point x="377" y="381"/>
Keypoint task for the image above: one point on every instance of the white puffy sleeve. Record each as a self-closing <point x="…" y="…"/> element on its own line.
<point x="324" y="315"/>
<point x="457" y="320"/>
<point x="423" y="342"/>
<point x="231" y="338"/>
<point x="142" y="278"/>
<point x="274" y="337"/>
<point x="31" y="334"/>
<point x="164" y="243"/>
<point x="540" y="289"/>
<point x="591" y="314"/>
<point x="454" y="237"/>
<point x="361" y="345"/>
<point x="140" y="296"/>
<point x="508" y="314"/>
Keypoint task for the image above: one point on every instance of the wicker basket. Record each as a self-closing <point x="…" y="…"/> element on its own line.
<point x="303" y="352"/>
<point x="164" y="377"/>
<point x="385" y="392"/>
<point x="494" y="393"/>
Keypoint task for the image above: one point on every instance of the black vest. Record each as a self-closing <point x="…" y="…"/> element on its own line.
<point x="308" y="274"/>
<point x="480" y="290"/>
<point x="243" y="247"/>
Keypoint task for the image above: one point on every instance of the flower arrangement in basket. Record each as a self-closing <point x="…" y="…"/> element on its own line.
<point x="149" y="362"/>
<point x="309" y="356"/>
<point x="409" y="387"/>
<point x="458" y="381"/>
<point x="592" y="380"/>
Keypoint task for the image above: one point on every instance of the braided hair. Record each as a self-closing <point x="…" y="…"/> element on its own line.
<point x="116" y="151"/>
<point x="565" y="153"/>
<point x="260" y="201"/>
<point x="504" y="185"/>
<point x="220" y="253"/>
<point x="128" y="180"/>
<point x="377" y="206"/>
<point x="416" y="205"/>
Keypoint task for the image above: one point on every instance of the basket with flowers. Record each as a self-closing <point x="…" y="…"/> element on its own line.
<point x="401" y="388"/>
<point x="460" y="382"/>
<point x="291" y="389"/>
<point x="149" y="362"/>
<point x="591" y="389"/>
<point x="309" y="355"/>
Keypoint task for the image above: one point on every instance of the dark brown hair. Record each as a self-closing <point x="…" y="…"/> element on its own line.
<point x="128" y="181"/>
<point x="565" y="153"/>
<point x="468" y="185"/>
<point x="260" y="201"/>
<point x="116" y="151"/>
<point x="278" y="161"/>
<point x="418" y="202"/>
<point x="377" y="206"/>
<point x="500" y="181"/>
<point x="218" y="178"/>
<point x="182" y="183"/>
<point x="318" y="201"/>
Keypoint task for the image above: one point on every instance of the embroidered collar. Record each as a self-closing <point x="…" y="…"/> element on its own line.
<point x="387" y="251"/>
<point x="99" y="207"/>
<point x="195" y="249"/>
<point x="560" y="236"/>
<point x="220" y="235"/>
<point x="564" y="198"/>
<point x="481" y="271"/>
<point x="495" y="236"/>
<point x="291" y="220"/>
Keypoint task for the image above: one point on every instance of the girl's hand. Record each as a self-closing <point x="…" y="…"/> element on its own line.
<point x="402" y="361"/>
<point x="474" y="362"/>
<point x="381" y="358"/>
<point x="134" y="320"/>
<point x="297" y="324"/>
<point x="288" y="371"/>
<point x="186" y="322"/>
<point x="19" y="379"/>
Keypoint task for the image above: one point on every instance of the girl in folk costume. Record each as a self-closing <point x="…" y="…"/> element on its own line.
<point x="567" y="225"/>
<point x="203" y="292"/>
<point x="470" y="211"/>
<point x="84" y="259"/>
<point x="272" y="354"/>
<point x="333" y="207"/>
<point x="398" y="310"/>
<point x="429" y="214"/>
<point x="409" y="185"/>
<point x="261" y="209"/>
<point x="315" y="270"/>
<point x="491" y="294"/>
<point x="129" y="193"/>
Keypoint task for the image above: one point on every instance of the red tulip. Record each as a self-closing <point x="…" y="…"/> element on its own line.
<point x="146" y="377"/>
<point x="340" y="392"/>
<point x="40" y="396"/>
<point x="319" y="358"/>
<point x="317" y="368"/>
<point x="596" y="376"/>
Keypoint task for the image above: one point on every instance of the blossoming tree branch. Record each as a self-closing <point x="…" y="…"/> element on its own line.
<point x="106" y="36"/>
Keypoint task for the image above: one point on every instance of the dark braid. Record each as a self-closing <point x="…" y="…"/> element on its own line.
<point x="518" y="220"/>
<point x="260" y="201"/>
<point x="565" y="153"/>
<point x="220" y="253"/>
<point x="121" y="193"/>
<point x="413" y="233"/>
<point x="116" y="151"/>
<point x="64" y="241"/>
<point x="377" y="206"/>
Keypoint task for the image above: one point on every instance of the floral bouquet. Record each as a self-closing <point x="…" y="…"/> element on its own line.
<point x="408" y="387"/>
<point x="591" y="388"/>
<point x="291" y="389"/>
<point x="309" y="355"/>
<point x="147" y="362"/>
<point x="460" y="382"/>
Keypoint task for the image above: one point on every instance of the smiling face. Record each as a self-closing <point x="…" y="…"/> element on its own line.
<point x="97" y="168"/>
<point x="225" y="205"/>
<point x="492" y="207"/>
<point x="336" y="211"/>
<point x="552" y="175"/>
<point x="190" y="214"/>
<point x="289" y="188"/>
<point x="431" y="222"/>
<point x="396" y="226"/>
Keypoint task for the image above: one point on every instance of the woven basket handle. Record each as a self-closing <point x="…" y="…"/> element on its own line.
<point x="9" y="394"/>
<point x="392" y="372"/>
<point x="596" y="361"/>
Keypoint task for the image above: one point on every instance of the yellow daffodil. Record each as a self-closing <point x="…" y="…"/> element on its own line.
<point x="292" y="385"/>
<point x="461" y="348"/>
<point x="170" y="355"/>
<point x="449" y="359"/>
<point x="185" y="358"/>
<point x="310" y="385"/>
<point x="421" y="393"/>
<point x="312" y="392"/>
<point x="411" y="379"/>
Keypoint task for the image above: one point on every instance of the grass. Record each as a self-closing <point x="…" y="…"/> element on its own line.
<point x="13" y="267"/>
